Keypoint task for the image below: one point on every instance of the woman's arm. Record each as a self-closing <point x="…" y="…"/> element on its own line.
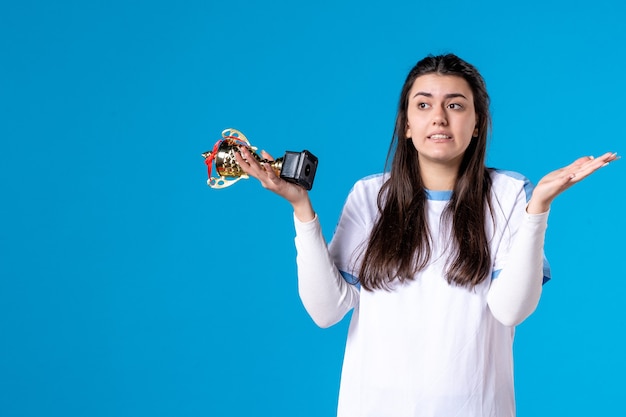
<point x="515" y="293"/>
<point x="326" y="296"/>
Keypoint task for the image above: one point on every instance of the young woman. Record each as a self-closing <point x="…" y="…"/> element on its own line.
<point x="440" y="258"/>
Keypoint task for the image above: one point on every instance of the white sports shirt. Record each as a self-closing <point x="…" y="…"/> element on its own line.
<point x="426" y="348"/>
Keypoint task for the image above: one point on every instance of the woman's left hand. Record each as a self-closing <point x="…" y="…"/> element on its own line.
<point x="553" y="184"/>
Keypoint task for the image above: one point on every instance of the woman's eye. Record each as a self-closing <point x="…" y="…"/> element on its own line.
<point x="422" y="105"/>
<point x="455" y="106"/>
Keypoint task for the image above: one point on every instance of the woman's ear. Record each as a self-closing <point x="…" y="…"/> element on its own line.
<point x="408" y="131"/>
<point x="475" y="134"/>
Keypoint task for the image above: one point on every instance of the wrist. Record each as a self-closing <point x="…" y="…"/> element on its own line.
<point x="303" y="210"/>
<point x="537" y="207"/>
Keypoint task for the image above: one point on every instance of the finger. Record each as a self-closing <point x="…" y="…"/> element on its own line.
<point x="267" y="167"/>
<point x="247" y="162"/>
<point x="579" y="163"/>
<point x="263" y="171"/>
<point x="609" y="157"/>
<point x="241" y="159"/>
<point x="601" y="160"/>
<point x="267" y="156"/>
<point x="592" y="166"/>
<point x="583" y="160"/>
<point x="588" y="164"/>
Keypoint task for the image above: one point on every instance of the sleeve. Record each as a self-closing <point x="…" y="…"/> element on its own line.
<point x="354" y="227"/>
<point x="513" y="192"/>
<point x="515" y="291"/>
<point x="326" y="296"/>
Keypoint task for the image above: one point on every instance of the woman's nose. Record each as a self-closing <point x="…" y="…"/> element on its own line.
<point x="440" y="117"/>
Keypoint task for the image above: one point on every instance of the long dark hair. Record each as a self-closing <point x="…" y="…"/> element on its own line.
<point x="400" y="242"/>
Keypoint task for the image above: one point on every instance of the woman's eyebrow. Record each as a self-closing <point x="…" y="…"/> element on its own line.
<point x="447" y="96"/>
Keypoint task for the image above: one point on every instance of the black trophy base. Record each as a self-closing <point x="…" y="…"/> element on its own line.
<point x="299" y="168"/>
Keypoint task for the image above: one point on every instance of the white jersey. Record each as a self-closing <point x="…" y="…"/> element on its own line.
<point x="427" y="348"/>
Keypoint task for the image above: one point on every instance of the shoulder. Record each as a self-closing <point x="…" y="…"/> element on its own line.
<point x="363" y="197"/>
<point x="370" y="184"/>
<point x="510" y="182"/>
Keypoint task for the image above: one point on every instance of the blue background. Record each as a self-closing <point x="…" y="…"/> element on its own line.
<point x="130" y="288"/>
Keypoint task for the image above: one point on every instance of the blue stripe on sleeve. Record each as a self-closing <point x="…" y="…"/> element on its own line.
<point x="528" y="186"/>
<point x="350" y="279"/>
<point x="546" y="272"/>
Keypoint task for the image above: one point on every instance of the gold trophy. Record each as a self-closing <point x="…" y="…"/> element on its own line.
<point x="296" y="167"/>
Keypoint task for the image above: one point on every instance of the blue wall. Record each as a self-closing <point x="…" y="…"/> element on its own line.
<point x="129" y="288"/>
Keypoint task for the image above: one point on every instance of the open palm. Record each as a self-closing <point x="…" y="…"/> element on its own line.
<point x="554" y="183"/>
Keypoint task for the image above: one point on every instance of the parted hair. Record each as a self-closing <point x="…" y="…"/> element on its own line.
<point x="400" y="243"/>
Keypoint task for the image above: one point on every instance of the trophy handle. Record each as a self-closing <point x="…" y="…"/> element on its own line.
<point x="222" y="182"/>
<point x="236" y="135"/>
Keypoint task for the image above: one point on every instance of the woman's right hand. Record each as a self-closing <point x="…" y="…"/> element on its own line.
<point x="297" y="196"/>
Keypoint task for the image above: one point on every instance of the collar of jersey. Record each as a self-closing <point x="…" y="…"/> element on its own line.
<point x="439" y="195"/>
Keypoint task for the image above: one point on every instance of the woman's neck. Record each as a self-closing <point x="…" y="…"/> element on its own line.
<point x="439" y="177"/>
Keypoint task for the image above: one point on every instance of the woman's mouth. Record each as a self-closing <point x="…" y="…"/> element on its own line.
<point x="439" y="136"/>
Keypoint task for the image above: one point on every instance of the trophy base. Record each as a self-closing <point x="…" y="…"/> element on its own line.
<point x="299" y="168"/>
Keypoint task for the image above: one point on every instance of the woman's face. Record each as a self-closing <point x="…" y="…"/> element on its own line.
<point x="441" y="119"/>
